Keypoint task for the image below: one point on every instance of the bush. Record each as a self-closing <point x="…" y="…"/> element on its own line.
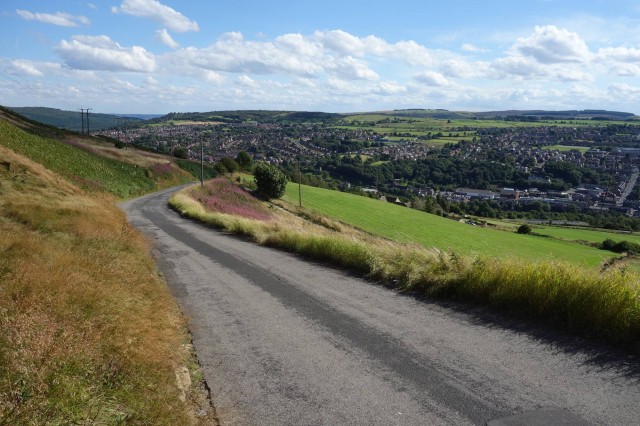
<point x="230" y="164"/>
<point x="620" y="246"/>
<point x="524" y="229"/>
<point x="180" y="152"/>
<point x="244" y="160"/>
<point x="270" y="181"/>
<point x="119" y="144"/>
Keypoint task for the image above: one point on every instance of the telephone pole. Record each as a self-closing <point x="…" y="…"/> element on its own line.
<point x="82" y="118"/>
<point x="299" y="186"/>
<point x="88" y="109"/>
<point x="201" y="160"/>
<point x="82" y="112"/>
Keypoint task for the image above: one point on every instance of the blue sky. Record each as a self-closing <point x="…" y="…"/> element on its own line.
<point x="159" y="56"/>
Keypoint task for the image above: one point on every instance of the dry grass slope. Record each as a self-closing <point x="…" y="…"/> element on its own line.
<point x="89" y="333"/>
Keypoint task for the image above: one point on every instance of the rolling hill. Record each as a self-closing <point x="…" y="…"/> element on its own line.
<point x="70" y="120"/>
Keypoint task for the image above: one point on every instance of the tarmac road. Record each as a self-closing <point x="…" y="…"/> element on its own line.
<point x="284" y="341"/>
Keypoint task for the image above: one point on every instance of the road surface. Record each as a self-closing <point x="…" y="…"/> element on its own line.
<point x="283" y="341"/>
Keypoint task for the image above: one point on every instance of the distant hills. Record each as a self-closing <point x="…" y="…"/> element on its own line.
<point x="587" y="114"/>
<point x="71" y="120"/>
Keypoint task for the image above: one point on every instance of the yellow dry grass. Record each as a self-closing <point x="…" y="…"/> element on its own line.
<point x="89" y="333"/>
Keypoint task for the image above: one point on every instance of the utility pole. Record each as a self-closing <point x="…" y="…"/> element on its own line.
<point x="88" y="109"/>
<point x="299" y="186"/>
<point x="82" y="118"/>
<point x="117" y="120"/>
<point x="201" y="160"/>
<point x="82" y="112"/>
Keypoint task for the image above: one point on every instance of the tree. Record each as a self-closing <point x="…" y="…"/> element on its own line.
<point x="524" y="229"/>
<point x="180" y="152"/>
<point x="270" y="181"/>
<point x="244" y="160"/>
<point x="230" y="164"/>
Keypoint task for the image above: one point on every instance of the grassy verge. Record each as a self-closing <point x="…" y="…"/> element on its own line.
<point x="606" y="305"/>
<point x="89" y="333"/>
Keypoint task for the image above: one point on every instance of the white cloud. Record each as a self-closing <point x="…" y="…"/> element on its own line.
<point x="549" y="44"/>
<point x="351" y="69"/>
<point x="462" y="68"/>
<point x="624" y="91"/>
<point x="468" y="47"/>
<point x="349" y="45"/>
<point x="248" y="82"/>
<point x="59" y="18"/>
<point x="164" y="37"/>
<point x="290" y="54"/>
<point x="626" y="70"/>
<point x="22" y="67"/>
<point x="432" y="78"/>
<point x="213" y="77"/>
<point x="102" y="53"/>
<point x="619" y="54"/>
<point x="158" y="12"/>
<point x="388" y="88"/>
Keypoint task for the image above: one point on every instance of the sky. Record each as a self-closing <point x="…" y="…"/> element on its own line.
<point x="160" y="56"/>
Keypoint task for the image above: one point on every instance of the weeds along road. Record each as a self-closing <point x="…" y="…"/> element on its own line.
<point x="283" y="341"/>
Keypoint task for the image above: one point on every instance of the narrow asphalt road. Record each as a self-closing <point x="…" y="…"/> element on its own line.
<point x="284" y="341"/>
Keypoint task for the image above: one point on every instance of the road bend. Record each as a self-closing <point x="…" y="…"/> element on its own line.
<point x="285" y="341"/>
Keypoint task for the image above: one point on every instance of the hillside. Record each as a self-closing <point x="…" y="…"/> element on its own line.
<point x="408" y="225"/>
<point x="89" y="333"/>
<point x="91" y="163"/>
<point x="539" y="114"/>
<point x="70" y="120"/>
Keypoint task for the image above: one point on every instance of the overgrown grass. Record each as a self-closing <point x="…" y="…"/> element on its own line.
<point x="605" y="305"/>
<point x="89" y="333"/>
<point x="223" y="196"/>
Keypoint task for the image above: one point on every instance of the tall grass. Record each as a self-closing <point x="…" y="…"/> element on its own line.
<point x="605" y="305"/>
<point x="89" y="333"/>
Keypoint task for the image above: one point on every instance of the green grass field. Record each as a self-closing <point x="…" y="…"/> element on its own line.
<point x="581" y="234"/>
<point x="84" y="169"/>
<point x="408" y="225"/>
<point x="582" y="149"/>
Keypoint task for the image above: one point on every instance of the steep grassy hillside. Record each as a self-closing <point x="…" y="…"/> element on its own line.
<point x="68" y="119"/>
<point x="407" y="225"/>
<point x="89" y="163"/>
<point x="89" y="333"/>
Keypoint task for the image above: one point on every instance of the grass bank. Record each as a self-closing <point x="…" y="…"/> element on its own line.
<point x="605" y="306"/>
<point x="89" y="333"/>
<point x="88" y="330"/>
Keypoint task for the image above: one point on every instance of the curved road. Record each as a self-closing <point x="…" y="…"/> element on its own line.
<point x="283" y="341"/>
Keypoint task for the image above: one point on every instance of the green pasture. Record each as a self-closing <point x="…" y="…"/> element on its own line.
<point x="582" y="149"/>
<point x="408" y="225"/>
<point x="584" y="234"/>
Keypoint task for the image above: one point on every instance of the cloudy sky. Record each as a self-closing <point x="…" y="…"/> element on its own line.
<point x="158" y="56"/>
